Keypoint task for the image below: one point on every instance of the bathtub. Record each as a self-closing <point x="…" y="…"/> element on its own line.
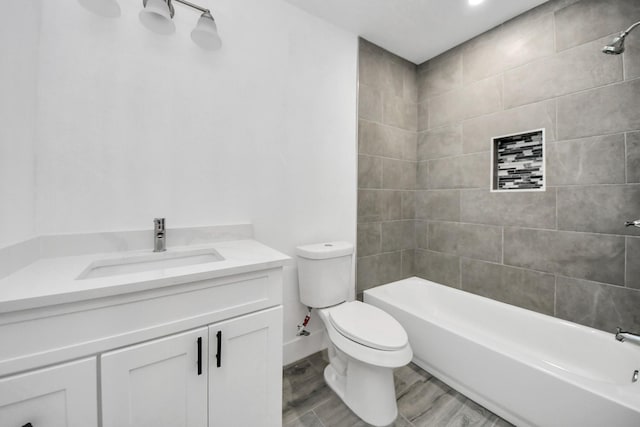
<point x="528" y="368"/>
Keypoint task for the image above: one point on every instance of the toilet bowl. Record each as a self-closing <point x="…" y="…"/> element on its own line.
<point x="365" y="343"/>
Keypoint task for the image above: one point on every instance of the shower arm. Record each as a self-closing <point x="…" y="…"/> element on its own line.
<point x="624" y="33"/>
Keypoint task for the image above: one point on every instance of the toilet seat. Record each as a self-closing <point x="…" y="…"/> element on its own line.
<point x="368" y="325"/>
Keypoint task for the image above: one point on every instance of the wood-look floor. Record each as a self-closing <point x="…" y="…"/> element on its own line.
<point x="423" y="400"/>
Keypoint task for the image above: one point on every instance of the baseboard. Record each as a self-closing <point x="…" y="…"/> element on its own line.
<point x="301" y="347"/>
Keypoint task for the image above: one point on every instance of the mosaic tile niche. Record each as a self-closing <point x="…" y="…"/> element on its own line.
<point x="518" y="162"/>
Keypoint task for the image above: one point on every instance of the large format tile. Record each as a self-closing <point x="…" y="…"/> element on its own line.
<point x="378" y="68"/>
<point x="632" y="275"/>
<point x="596" y="160"/>
<point x="610" y="109"/>
<point x="580" y="68"/>
<point x="466" y="171"/>
<point x="633" y="157"/>
<point x="379" y="205"/>
<point x="303" y="389"/>
<point x="366" y="272"/>
<point x="482" y="97"/>
<point x="398" y="174"/>
<point x="369" y="171"/>
<point x="398" y="112"/>
<point x="477" y="132"/>
<point x="580" y="255"/>
<point x="632" y="56"/>
<point x="467" y="240"/>
<point x="422" y="175"/>
<point x="408" y="205"/>
<point x="443" y="411"/>
<point x="444" y="109"/>
<point x="597" y="305"/>
<point x="389" y="268"/>
<point x="525" y="288"/>
<point x="442" y="74"/>
<point x="440" y="142"/>
<point x="410" y="146"/>
<point x="378" y="269"/>
<point x="438" y="267"/>
<point x="591" y="19"/>
<point x="527" y="37"/>
<point x="422" y="234"/>
<point x="408" y="257"/>
<point x="480" y="57"/>
<point x="475" y="99"/>
<point x="369" y="238"/>
<point x="422" y="397"/>
<point x="335" y="413"/>
<point x="369" y="103"/>
<point x="423" y="116"/>
<point x="599" y="209"/>
<point x="310" y="419"/>
<point x="410" y="81"/>
<point x="370" y="205"/>
<point x="398" y="235"/>
<point x="406" y="376"/>
<point x="442" y="205"/>
<point x="530" y="209"/>
<point x="379" y="140"/>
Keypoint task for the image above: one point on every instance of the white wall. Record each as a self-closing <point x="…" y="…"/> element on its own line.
<point x="133" y="125"/>
<point x="18" y="64"/>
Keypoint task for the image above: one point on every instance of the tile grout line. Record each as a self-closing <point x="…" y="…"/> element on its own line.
<point x="318" y="418"/>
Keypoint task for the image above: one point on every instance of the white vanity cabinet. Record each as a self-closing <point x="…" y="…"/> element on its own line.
<point x="163" y="382"/>
<point x="60" y="396"/>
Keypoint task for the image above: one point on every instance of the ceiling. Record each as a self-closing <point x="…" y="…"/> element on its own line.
<point x="416" y="30"/>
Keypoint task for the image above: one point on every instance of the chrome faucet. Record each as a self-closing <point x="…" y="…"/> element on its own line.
<point x="160" y="242"/>
<point x="623" y="336"/>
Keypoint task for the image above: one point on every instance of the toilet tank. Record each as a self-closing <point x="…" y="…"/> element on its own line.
<point x="324" y="273"/>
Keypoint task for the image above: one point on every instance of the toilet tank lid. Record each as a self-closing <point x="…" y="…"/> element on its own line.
<point x="325" y="250"/>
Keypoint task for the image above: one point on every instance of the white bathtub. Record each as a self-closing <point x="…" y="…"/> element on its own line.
<point x="529" y="368"/>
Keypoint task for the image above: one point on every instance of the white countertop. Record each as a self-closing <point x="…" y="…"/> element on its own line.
<point x="50" y="281"/>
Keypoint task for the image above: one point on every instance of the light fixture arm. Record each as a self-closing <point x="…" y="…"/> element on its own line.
<point x="194" y="6"/>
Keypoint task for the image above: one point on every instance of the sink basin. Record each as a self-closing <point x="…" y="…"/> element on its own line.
<point x="148" y="262"/>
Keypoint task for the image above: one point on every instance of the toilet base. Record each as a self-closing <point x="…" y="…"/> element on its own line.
<point x="367" y="390"/>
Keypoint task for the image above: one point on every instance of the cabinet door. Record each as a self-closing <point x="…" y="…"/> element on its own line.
<point x="157" y="383"/>
<point x="60" y="396"/>
<point x="245" y="373"/>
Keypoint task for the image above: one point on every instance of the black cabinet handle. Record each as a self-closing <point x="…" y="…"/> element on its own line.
<point x="219" y="352"/>
<point x="199" y="355"/>
<point x="27" y="425"/>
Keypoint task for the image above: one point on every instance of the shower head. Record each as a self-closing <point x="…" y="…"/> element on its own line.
<point x="616" y="47"/>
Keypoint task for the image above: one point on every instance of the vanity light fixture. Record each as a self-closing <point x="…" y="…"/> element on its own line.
<point x="157" y="16"/>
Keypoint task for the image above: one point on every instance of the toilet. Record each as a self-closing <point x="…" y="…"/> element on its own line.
<point x="365" y="343"/>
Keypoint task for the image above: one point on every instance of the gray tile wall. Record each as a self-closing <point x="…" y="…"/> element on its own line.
<point x="563" y="252"/>
<point x="424" y="205"/>
<point x="387" y="153"/>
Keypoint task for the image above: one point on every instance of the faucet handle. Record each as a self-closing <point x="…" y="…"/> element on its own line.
<point x="158" y="224"/>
